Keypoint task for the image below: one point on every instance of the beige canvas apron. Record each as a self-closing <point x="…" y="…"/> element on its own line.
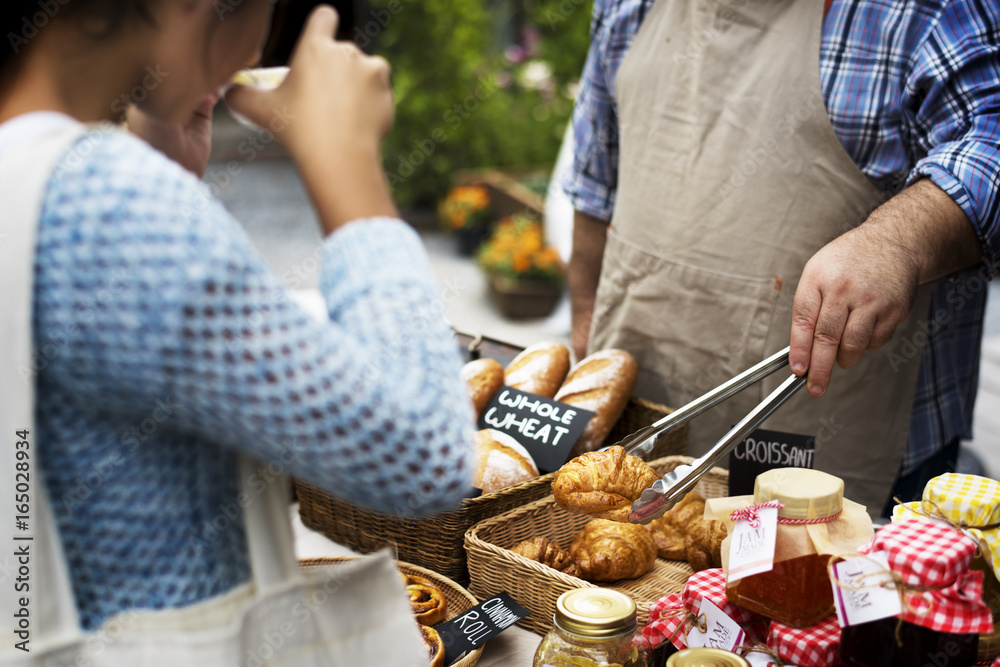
<point x="731" y="178"/>
<point x="353" y="614"/>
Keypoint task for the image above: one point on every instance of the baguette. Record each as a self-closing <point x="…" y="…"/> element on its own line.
<point x="539" y="369"/>
<point x="483" y="377"/>
<point x="601" y="383"/>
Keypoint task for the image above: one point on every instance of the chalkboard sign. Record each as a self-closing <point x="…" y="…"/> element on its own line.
<point x="472" y="628"/>
<point x="766" y="450"/>
<point x="548" y="429"/>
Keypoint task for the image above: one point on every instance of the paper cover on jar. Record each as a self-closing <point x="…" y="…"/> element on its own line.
<point x="815" y="646"/>
<point x="842" y="534"/>
<point x="932" y="554"/>
<point x="968" y="501"/>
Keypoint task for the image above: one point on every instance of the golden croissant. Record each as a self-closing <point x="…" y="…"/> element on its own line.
<point x="608" y="551"/>
<point x="603" y="484"/>
<point x="684" y="534"/>
<point x="547" y="553"/>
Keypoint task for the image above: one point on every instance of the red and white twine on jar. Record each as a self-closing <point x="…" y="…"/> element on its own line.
<point x="749" y="514"/>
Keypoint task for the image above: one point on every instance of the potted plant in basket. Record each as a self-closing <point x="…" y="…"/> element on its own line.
<point x="465" y="212"/>
<point x="525" y="274"/>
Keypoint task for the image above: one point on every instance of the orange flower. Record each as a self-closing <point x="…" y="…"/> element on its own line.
<point x="518" y="251"/>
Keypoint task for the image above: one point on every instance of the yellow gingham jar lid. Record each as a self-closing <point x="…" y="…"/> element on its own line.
<point x="969" y="502"/>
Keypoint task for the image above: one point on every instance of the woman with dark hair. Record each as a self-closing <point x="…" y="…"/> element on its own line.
<point x="162" y="352"/>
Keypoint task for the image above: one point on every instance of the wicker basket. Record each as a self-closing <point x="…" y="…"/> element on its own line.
<point x="459" y="599"/>
<point x="437" y="542"/>
<point x="536" y="587"/>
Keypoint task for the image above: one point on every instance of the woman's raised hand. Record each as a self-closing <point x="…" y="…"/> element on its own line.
<point x="334" y="96"/>
<point x="331" y="113"/>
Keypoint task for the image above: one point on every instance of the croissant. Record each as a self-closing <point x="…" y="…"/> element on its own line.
<point x="706" y="537"/>
<point x="603" y="484"/>
<point x="427" y="602"/>
<point x="670" y="529"/>
<point x="608" y="551"/>
<point x="683" y="534"/>
<point x="547" y="553"/>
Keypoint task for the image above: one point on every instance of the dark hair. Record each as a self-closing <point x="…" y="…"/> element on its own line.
<point x="22" y="20"/>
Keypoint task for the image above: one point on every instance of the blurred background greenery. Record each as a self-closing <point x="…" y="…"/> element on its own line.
<point x="478" y="83"/>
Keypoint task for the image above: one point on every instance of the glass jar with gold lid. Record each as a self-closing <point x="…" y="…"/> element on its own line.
<point x="593" y="628"/>
<point x="706" y="657"/>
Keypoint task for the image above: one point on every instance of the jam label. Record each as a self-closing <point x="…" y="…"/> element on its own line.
<point x="751" y="550"/>
<point x="721" y="631"/>
<point x="548" y="429"/>
<point x="861" y="592"/>
<point x="472" y="628"/>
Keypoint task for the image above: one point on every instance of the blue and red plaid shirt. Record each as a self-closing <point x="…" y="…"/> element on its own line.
<point x="913" y="90"/>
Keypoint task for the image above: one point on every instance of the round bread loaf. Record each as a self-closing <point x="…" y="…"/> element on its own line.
<point x="539" y="369"/>
<point x="500" y="462"/>
<point x="483" y="377"/>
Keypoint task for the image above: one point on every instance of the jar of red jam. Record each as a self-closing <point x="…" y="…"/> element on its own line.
<point x="814" y="522"/>
<point x="943" y="607"/>
<point x="971" y="503"/>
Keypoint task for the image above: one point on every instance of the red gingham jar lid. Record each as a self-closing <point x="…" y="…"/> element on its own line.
<point x="815" y="646"/>
<point x="711" y="585"/>
<point x="933" y="554"/>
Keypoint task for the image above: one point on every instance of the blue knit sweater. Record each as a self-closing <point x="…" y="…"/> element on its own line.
<point x="165" y="345"/>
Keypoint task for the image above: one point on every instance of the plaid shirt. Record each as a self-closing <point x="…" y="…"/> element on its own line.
<point x="913" y="90"/>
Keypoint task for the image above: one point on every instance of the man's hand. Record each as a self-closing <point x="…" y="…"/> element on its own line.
<point x="189" y="145"/>
<point x="858" y="288"/>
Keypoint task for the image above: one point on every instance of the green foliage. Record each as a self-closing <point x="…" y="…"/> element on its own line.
<point x="461" y="102"/>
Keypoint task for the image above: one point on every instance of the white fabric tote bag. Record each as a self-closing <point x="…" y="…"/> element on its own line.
<point x="351" y="614"/>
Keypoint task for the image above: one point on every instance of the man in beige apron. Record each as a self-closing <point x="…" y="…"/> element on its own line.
<point x="730" y="179"/>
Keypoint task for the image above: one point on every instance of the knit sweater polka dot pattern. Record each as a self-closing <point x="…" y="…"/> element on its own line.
<point x="164" y="345"/>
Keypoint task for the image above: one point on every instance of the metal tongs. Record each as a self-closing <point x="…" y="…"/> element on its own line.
<point x="667" y="492"/>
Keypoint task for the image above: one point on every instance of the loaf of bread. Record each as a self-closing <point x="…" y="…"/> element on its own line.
<point x="483" y="377"/>
<point x="500" y="461"/>
<point x="601" y="383"/>
<point x="539" y="369"/>
<point x="603" y="484"/>
<point x="608" y="551"/>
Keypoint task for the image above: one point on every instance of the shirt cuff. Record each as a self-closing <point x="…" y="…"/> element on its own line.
<point x="589" y="196"/>
<point x="952" y="185"/>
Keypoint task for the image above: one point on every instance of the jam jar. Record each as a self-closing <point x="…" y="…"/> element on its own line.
<point x="706" y="657"/>
<point x="797" y="591"/>
<point x="593" y="627"/>
<point x="942" y="608"/>
<point x="989" y="645"/>
<point x="874" y="645"/>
